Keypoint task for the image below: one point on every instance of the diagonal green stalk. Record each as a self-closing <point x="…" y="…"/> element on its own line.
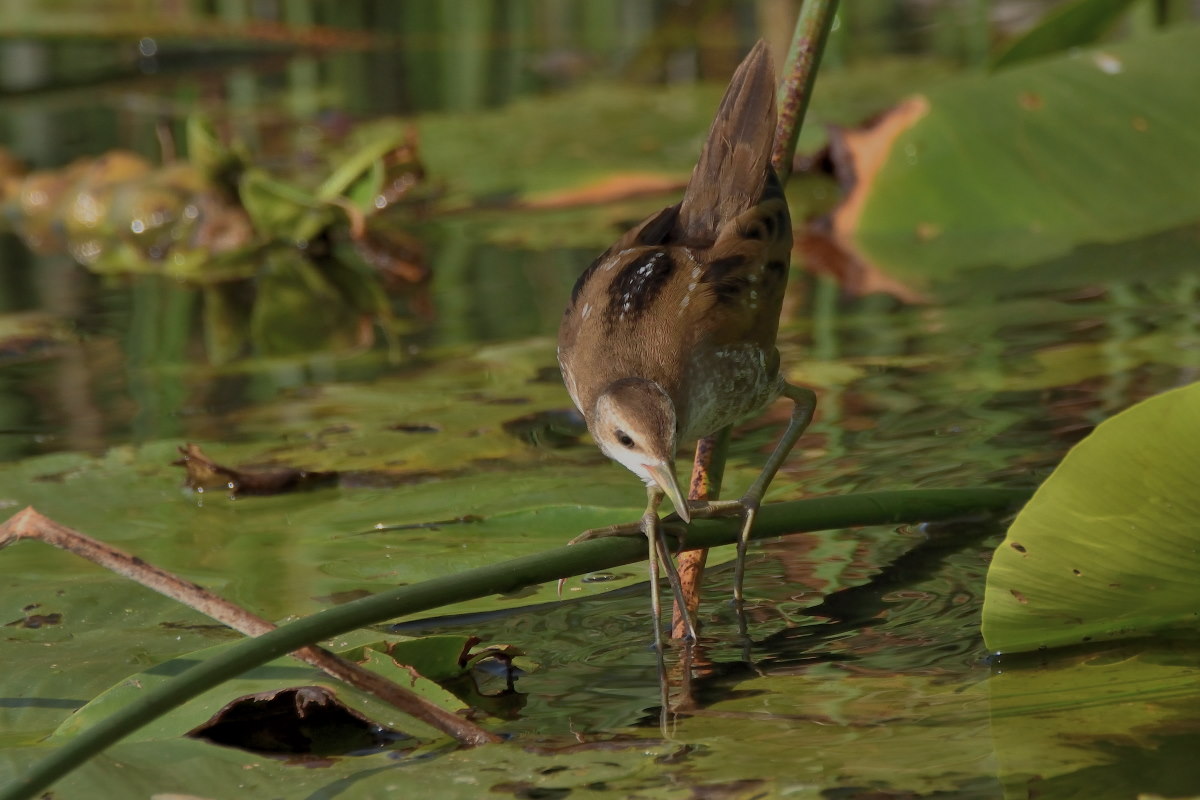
<point x="799" y="76"/>
<point x="822" y="513"/>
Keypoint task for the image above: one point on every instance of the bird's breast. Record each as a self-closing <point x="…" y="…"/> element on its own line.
<point x="726" y="385"/>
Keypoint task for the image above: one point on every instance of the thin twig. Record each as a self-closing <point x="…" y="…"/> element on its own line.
<point x="31" y="525"/>
<point x="708" y="468"/>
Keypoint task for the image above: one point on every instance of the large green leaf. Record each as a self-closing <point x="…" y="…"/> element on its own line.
<point x="1109" y="547"/>
<point x="1022" y="166"/>
<point x="544" y="147"/>
<point x="275" y="676"/>
<point x="1073" y="24"/>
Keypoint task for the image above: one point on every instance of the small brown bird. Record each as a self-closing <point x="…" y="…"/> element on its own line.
<point x="670" y="334"/>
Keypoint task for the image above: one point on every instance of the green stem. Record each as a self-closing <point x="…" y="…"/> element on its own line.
<point x="775" y="519"/>
<point x="799" y="75"/>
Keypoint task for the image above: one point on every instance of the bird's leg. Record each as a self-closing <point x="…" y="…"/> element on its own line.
<point x="649" y="526"/>
<point x="654" y="497"/>
<point x="660" y="557"/>
<point x="802" y="413"/>
<point x="805" y="403"/>
<point x="659" y="554"/>
<point x="676" y="582"/>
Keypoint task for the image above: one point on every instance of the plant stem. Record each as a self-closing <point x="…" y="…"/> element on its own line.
<point x="795" y="89"/>
<point x="708" y="469"/>
<point x="799" y="75"/>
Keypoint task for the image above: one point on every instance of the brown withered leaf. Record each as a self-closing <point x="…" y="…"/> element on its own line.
<point x="204" y="474"/>
<point x="857" y="155"/>
<point x="828" y="255"/>
<point x="35" y="621"/>
<point x="608" y="190"/>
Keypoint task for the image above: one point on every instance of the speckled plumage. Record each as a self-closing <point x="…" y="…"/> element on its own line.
<point x="690" y="298"/>
<point x="670" y="334"/>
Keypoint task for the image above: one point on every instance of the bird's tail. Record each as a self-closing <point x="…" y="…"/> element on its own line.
<point x="735" y="163"/>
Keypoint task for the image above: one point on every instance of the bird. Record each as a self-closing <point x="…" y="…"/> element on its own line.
<point x="670" y="334"/>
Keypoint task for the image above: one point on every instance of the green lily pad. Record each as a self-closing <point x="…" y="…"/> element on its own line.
<point x="186" y="766"/>
<point x="547" y="145"/>
<point x="913" y="734"/>
<point x="275" y="676"/>
<point x="1108" y="547"/>
<point x="1025" y="165"/>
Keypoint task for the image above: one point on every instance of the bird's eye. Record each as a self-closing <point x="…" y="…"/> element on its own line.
<point x="624" y="438"/>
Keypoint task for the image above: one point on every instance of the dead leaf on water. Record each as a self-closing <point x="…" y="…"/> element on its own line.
<point x="608" y="190"/>
<point x="859" y="154"/>
<point x="203" y="473"/>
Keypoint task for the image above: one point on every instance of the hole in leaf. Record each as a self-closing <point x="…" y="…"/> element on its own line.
<point x="306" y="720"/>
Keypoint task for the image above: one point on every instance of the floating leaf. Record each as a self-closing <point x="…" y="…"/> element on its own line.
<point x="1109" y="546"/>
<point x="438" y="658"/>
<point x="279" y="675"/>
<point x="1023" y="166"/>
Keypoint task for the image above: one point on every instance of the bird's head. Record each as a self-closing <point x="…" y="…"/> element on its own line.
<point x="634" y="424"/>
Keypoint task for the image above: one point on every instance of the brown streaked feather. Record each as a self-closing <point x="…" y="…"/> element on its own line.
<point x="653" y="230"/>
<point x="731" y="172"/>
<point x="690" y="298"/>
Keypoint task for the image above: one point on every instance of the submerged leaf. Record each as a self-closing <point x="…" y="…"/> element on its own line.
<point x="1109" y="546"/>
<point x="301" y="719"/>
<point x="32" y="335"/>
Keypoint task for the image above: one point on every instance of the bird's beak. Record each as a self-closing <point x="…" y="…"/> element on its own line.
<point x="664" y="475"/>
